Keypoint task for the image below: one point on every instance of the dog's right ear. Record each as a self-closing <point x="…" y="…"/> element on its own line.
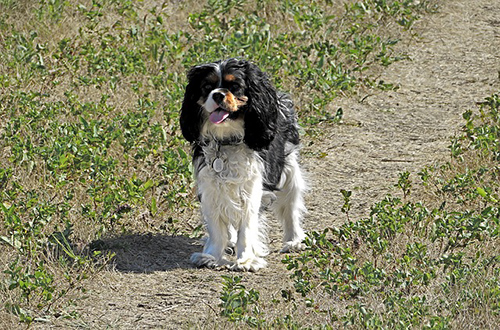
<point x="191" y="118"/>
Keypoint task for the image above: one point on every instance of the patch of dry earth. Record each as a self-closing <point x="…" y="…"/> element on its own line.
<point x="454" y="63"/>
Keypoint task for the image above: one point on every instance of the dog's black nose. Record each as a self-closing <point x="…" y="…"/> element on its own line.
<point x="218" y="97"/>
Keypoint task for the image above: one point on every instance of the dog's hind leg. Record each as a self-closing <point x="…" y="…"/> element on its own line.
<point x="233" y="237"/>
<point x="289" y="206"/>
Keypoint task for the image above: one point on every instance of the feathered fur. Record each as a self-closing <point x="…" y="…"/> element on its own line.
<point x="245" y="143"/>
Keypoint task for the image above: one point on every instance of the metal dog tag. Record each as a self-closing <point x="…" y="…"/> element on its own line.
<point x="218" y="165"/>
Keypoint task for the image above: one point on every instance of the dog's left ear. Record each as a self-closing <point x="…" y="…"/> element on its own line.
<point x="262" y="109"/>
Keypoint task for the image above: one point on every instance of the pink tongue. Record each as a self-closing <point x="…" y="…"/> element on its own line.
<point x="218" y="116"/>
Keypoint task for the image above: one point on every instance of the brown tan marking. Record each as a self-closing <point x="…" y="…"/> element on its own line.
<point x="232" y="103"/>
<point x="229" y="77"/>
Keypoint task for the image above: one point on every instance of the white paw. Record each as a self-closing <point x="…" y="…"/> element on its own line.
<point x="249" y="264"/>
<point x="293" y="246"/>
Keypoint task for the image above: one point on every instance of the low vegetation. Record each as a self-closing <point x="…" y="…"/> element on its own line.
<point x="432" y="263"/>
<point x="90" y="147"/>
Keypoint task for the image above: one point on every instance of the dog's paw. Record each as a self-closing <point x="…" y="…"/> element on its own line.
<point x="293" y="246"/>
<point x="204" y="260"/>
<point x="248" y="264"/>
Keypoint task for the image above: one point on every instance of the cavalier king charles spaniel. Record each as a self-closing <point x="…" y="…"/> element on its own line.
<point x="245" y="141"/>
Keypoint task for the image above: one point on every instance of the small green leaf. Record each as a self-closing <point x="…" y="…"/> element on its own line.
<point x="481" y="192"/>
<point x="153" y="208"/>
<point x="148" y="184"/>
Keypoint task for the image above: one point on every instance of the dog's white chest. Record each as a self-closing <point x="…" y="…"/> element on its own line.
<point x="230" y="182"/>
<point x="230" y="163"/>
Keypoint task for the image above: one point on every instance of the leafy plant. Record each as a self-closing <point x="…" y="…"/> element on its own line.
<point x="90" y="144"/>
<point x="237" y="301"/>
<point x="404" y="183"/>
<point x="387" y="269"/>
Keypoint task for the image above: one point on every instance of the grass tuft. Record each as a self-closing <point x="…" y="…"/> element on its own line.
<point x="433" y="263"/>
<point x="90" y="145"/>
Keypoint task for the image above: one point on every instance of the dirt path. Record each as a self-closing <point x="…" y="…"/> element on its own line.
<point x="455" y="63"/>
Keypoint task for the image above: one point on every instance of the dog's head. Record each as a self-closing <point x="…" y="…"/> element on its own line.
<point x="227" y="99"/>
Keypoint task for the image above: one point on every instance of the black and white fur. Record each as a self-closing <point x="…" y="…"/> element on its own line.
<point x="233" y="116"/>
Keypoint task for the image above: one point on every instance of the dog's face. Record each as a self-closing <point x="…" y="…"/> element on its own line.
<point x="227" y="99"/>
<point x="219" y="88"/>
<point x="223" y="94"/>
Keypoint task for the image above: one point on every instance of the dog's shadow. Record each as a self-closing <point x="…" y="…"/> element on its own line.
<point x="148" y="253"/>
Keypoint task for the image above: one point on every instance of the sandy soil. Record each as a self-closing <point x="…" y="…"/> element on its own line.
<point x="454" y="63"/>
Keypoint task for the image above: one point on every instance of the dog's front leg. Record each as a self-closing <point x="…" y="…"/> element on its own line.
<point x="250" y="246"/>
<point x="215" y="245"/>
<point x="249" y="251"/>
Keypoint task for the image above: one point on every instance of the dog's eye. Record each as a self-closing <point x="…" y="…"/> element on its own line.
<point x="234" y="88"/>
<point x="207" y="88"/>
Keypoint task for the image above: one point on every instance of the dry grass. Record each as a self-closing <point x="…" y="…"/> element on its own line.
<point x="91" y="145"/>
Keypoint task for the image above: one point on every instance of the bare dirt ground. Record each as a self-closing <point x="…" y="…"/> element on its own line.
<point x="454" y="63"/>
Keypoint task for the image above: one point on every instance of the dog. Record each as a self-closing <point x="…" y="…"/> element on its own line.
<point x="245" y="148"/>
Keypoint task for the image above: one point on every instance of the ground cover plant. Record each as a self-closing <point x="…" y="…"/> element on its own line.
<point x="432" y="263"/>
<point x="90" y="148"/>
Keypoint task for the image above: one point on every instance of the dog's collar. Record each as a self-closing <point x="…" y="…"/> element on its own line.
<point x="218" y="162"/>
<point x="231" y="141"/>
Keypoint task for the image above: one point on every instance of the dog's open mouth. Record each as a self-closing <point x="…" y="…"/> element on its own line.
<point x="219" y="115"/>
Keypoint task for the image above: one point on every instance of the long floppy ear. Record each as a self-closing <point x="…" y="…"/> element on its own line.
<point x="190" y="118"/>
<point x="262" y="109"/>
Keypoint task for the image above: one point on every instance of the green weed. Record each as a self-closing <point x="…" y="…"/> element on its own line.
<point x="239" y="304"/>
<point x="89" y="138"/>
<point x="407" y="265"/>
